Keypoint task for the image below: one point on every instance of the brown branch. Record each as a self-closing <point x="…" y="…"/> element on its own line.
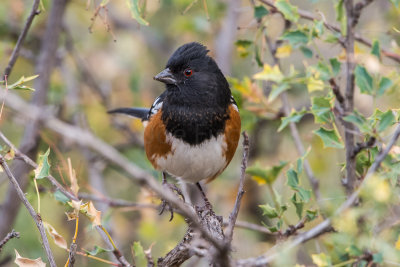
<point x="324" y="226"/>
<point x="36" y="217"/>
<point x="358" y="9"/>
<point x="364" y="145"/>
<point x="235" y="211"/>
<point x="8" y="237"/>
<point x="336" y="91"/>
<point x="21" y="38"/>
<point x="350" y="180"/>
<point x="310" y="16"/>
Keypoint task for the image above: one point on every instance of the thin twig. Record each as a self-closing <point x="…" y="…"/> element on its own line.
<point x="310" y="16"/>
<point x="113" y="202"/>
<point x="8" y="237"/>
<point x="21" y="38"/>
<point x="324" y="226"/>
<point x="30" y="162"/>
<point x="235" y="211"/>
<point x="36" y="217"/>
<point x="364" y="145"/>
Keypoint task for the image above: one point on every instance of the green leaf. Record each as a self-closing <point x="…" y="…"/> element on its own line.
<point x="376" y="49"/>
<point x="43" y="169"/>
<point x="321" y="108"/>
<point x="321" y="260"/>
<point x="329" y="137"/>
<point x="133" y="6"/>
<point x="97" y="250"/>
<point x="295" y="117"/>
<point x="269" y="211"/>
<point x="311" y="214"/>
<point x="359" y="120"/>
<point x="335" y="64"/>
<point x="301" y="160"/>
<point x="307" y="52"/>
<point x="260" y="11"/>
<point x="295" y="37"/>
<point x="299" y="205"/>
<point x="19" y="85"/>
<point x="289" y="11"/>
<point x="354" y="251"/>
<point x="385" y="120"/>
<point x="277" y="90"/>
<point x="138" y="251"/>
<point x="266" y="175"/>
<point x="363" y="80"/>
<point x="242" y="46"/>
<point x="292" y="178"/>
<point x="384" y="84"/>
<point x="304" y="194"/>
<point x="58" y="195"/>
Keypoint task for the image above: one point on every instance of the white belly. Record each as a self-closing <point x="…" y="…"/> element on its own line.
<point x="194" y="163"/>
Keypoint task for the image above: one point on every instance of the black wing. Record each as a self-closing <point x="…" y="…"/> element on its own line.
<point x="142" y="113"/>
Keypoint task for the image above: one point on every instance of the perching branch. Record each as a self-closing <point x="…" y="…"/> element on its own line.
<point x="21" y="39"/>
<point x="36" y="217"/>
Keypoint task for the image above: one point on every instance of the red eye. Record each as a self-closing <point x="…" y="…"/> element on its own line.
<point x="188" y="72"/>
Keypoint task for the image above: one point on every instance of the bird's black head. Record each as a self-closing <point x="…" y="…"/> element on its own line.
<point x="194" y="79"/>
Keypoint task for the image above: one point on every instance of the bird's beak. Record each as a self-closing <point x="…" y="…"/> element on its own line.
<point x="166" y="77"/>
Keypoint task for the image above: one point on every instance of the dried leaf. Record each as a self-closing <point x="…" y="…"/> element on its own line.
<point x="58" y="239"/>
<point x="71" y="216"/>
<point x="10" y="155"/>
<point x="25" y="262"/>
<point x="73" y="179"/>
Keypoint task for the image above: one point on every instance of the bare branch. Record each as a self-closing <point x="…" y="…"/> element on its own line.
<point x="112" y="202"/>
<point x="8" y="237"/>
<point x="21" y="38"/>
<point x="36" y="217"/>
<point x="235" y="211"/>
<point x="350" y="180"/>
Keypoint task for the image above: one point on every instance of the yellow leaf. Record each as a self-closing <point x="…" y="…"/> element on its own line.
<point x="58" y="239"/>
<point x="270" y="74"/>
<point x="283" y="51"/>
<point x="397" y="245"/>
<point x="259" y="180"/>
<point x="76" y="204"/>
<point x="92" y="213"/>
<point x="25" y="262"/>
<point x="315" y="84"/>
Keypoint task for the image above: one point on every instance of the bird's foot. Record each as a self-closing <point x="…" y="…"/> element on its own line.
<point x="165" y="204"/>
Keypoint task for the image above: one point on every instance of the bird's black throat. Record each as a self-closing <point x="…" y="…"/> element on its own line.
<point x="194" y="125"/>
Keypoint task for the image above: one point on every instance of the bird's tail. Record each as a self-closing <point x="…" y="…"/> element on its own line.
<point x="141" y="113"/>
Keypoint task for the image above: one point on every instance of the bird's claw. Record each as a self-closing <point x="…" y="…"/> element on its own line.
<point x="165" y="204"/>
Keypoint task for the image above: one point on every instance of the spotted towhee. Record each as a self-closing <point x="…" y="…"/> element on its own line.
<point x="193" y="128"/>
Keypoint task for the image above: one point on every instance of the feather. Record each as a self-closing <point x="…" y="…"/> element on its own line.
<point x="141" y="113"/>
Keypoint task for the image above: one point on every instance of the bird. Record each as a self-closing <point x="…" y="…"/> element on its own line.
<point x="193" y="128"/>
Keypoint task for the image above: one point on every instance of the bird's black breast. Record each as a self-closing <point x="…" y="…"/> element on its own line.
<point x="194" y="125"/>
